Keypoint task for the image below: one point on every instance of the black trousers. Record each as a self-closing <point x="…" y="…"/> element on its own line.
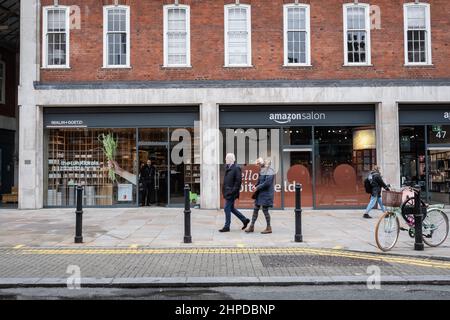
<point x="148" y="193"/>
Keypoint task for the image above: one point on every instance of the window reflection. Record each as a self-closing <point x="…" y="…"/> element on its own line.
<point x="344" y="156"/>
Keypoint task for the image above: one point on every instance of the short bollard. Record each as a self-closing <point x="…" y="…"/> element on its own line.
<point x="79" y="216"/>
<point x="418" y="216"/>
<point x="187" y="215"/>
<point x="298" y="213"/>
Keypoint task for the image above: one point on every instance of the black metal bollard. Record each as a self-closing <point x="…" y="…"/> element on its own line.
<point x="298" y="213"/>
<point x="187" y="215"/>
<point x="418" y="215"/>
<point x="79" y="216"/>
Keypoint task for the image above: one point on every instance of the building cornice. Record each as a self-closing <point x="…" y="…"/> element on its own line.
<point x="199" y="84"/>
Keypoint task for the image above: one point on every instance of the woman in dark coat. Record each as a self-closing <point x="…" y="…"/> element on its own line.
<point x="263" y="195"/>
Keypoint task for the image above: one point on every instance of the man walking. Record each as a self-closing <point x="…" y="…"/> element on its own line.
<point x="376" y="182"/>
<point x="148" y="177"/>
<point x="231" y="188"/>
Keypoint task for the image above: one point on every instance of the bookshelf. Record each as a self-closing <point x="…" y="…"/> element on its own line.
<point x="439" y="178"/>
<point x="75" y="157"/>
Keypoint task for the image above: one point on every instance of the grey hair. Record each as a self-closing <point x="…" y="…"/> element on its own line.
<point x="262" y="161"/>
<point x="231" y="157"/>
<point x="259" y="161"/>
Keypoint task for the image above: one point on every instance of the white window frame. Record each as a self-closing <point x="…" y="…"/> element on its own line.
<point x="249" y="32"/>
<point x="366" y="7"/>
<point x="3" y="82"/>
<point x="105" y="38"/>
<point x="45" y="39"/>
<point x="429" y="61"/>
<point x="188" y="35"/>
<point x="286" y="7"/>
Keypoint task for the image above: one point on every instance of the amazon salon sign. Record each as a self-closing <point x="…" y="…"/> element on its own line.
<point x="284" y="118"/>
<point x="296" y="116"/>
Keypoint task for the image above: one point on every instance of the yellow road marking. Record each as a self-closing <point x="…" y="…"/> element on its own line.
<point x="240" y="245"/>
<point x="19" y="246"/>
<point x="323" y="252"/>
<point x="134" y="246"/>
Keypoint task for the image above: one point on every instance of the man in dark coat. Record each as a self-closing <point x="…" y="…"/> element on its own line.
<point x="147" y="176"/>
<point x="376" y="182"/>
<point x="231" y="188"/>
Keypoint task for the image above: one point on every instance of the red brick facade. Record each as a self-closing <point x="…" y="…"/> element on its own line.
<point x="207" y="43"/>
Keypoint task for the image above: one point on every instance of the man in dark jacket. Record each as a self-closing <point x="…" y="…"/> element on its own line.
<point x="376" y="183"/>
<point x="231" y="188"/>
<point x="147" y="176"/>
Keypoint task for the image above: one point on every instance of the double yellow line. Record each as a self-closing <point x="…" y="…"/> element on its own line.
<point x="420" y="262"/>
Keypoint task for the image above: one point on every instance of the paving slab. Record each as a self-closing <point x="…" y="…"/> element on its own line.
<point x="164" y="227"/>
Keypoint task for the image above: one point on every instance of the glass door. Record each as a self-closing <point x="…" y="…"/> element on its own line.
<point x="297" y="168"/>
<point x="154" y="182"/>
<point x="412" y="156"/>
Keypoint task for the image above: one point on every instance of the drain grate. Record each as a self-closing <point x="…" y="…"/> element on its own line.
<point x="286" y="261"/>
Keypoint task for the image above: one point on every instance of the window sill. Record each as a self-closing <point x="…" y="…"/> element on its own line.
<point x="176" y="67"/>
<point x="297" y="66"/>
<point x="357" y="65"/>
<point x="239" y="67"/>
<point x="117" y="67"/>
<point x="418" y="65"/>
<point x="56" y="68"/>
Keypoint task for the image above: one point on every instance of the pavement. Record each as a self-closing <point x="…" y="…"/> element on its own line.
<point x="143" y="247"/>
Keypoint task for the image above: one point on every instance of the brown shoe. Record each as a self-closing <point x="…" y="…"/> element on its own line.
<point x="251" y="228"/>
<point x="268" y="230"/>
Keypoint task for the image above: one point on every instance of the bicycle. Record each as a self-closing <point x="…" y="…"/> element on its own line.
<point x="435" y="225"/>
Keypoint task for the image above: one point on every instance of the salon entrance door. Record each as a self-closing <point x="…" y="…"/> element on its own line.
<point x="297" y="168"/>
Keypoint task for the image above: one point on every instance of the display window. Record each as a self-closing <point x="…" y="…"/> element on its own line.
<point x="344" y="156"/>
<point x="91" y="158"/>
<point x="330" y="164"/>
<point x="128" y="167"/>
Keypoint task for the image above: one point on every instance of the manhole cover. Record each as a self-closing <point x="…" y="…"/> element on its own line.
<point x="286" y="261"/>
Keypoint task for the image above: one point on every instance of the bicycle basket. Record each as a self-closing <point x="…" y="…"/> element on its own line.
<point x="392" y="198"/>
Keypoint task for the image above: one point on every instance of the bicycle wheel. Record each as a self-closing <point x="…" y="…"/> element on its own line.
<point x="435" y="227"/>
<point x="387" y="231"/>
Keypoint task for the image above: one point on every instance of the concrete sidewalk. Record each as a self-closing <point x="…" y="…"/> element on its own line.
<point x="163" y="228"/>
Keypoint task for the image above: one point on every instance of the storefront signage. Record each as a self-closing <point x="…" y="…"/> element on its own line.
<point x="447" y="116"/>
<point x="424" y="115"/>
<point x="269" y="116"/>
<point x="61" y="118"/>
<point x="66" y="123"/>
<point x="283" y="118"/>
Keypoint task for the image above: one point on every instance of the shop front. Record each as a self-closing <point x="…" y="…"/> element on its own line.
<point x="329" y="149"/>
<point x="105" y="150"/>
<point x="425" y="150"/>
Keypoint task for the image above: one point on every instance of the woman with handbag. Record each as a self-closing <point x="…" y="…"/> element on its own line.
<point x="263" y="194"/>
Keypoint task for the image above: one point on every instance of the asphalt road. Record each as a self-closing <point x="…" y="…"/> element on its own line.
<point x="339" y="292"/>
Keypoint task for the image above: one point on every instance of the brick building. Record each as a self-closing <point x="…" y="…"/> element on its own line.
<point x="332" y="86"/>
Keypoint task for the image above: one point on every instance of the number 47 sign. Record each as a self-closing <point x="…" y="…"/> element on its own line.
<point x="441" y="134"/>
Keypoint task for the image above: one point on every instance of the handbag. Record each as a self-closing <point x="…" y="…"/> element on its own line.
<point x="255" y="194"/>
